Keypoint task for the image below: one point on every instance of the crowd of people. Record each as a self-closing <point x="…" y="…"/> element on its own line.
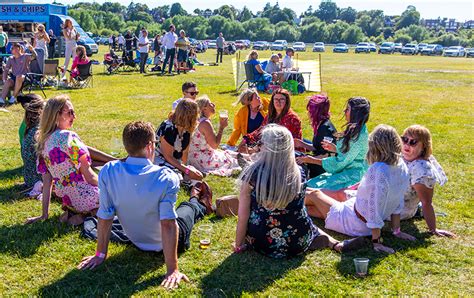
<point x="353" y="179"/>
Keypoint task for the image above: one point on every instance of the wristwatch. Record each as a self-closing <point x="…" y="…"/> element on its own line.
<point x="378" y="240"/>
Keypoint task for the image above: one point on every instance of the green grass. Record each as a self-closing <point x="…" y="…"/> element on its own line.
<point x="40" y="259"/>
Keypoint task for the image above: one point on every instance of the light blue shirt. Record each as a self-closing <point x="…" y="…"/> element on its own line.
<point x="140" y="194"/>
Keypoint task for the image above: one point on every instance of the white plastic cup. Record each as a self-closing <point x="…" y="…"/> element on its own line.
<point x="224" y="114"/>
<point x="361" y="266"/>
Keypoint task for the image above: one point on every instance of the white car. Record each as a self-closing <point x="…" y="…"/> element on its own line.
<point x="212" y="45"/>
<point x="318" y="47"/>
<point x="299" y="46"/>
<point x="456" y="51"/>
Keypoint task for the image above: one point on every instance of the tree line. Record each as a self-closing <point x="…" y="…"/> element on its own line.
<point x="328" y="23"/>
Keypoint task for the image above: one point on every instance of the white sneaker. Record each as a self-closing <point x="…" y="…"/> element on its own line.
<point x="12" y="100"/>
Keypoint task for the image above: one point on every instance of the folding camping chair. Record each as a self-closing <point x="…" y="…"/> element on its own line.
<point x="249" y="77"/>
<point x="85" y="78"/>
<point x="51" y="72"/>
<point x="34" y="78"/>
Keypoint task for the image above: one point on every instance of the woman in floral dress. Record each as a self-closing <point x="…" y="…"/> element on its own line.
<point x="65" y="164"/>
<point x="272" y="216"/>
<point x="204" y="152"/>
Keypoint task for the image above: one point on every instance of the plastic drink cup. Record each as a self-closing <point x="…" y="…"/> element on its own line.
<point x="224" y="114"/>
<point x="361" y="266"/>
<point x="205" y="233"/>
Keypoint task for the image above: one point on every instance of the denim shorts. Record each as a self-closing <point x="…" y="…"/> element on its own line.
<point x="182" y="55"/>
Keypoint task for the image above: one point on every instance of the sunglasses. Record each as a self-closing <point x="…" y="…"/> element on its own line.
<point x="409" y="142"/>
<point x="193" y="93"/>
<point x="70" y="113"/>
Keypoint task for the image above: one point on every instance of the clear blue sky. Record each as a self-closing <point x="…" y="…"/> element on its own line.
<point x="462" y="10"/>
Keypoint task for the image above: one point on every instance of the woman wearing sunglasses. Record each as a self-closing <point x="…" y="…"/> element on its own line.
<point x="424" y="172"/>
<point x="65" y="163"/>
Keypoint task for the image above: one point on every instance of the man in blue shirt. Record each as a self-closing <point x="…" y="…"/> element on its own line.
<point x="143" y="197"/>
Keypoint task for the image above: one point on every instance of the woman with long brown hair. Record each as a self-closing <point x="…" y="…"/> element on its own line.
<point x="80" y="59"/>
<point x="174" y="136"/>
<point x="71" y="36"/>
<point x="279" y="112"/>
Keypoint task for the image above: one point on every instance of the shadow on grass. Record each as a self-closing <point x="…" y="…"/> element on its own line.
<point x="346" y="265"/>
<point x="11" y="173"/>
<point x="23" y="240"/>
<point x="231" y="92"/>
<point x="13" y="192"/>
<point x="121" y="275"/>
<point x="246" y="273"/>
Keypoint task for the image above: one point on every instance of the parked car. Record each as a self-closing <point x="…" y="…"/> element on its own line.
<point x="242" y="44"/>
<point x="299" y="46"/>
<point x="372" y="47"/>
<point x="410" y="49"/>
<point x="362" y="47"/>
<point x="432" y="49"/>
<point x="398" y="47"/>
<point x="421" y="46"/>
<point x="260" y="45"/>
<point x="456" y="51"/>
<point x="89" y="44"/>
<point x="279" y="45"/>
<point x="340" y="48"/>
<point x="387" y="48"/>
<point x="212" y="44"/>
<point x="470" y="52"/>
<point x="319" y="47"/>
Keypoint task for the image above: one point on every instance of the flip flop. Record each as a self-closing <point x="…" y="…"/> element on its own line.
<point x="320" y="242"/>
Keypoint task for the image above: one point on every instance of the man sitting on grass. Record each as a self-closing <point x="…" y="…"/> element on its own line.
<point x="143" y="196"/>
<point x="19" y="64"/>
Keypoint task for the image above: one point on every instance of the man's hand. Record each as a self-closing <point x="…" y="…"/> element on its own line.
<point x="90" y="262"/>
<point x="173" y="279"/>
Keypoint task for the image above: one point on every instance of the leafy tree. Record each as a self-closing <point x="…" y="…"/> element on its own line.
<point x="416" y="32"/>
<point x="245" y="14"/>
<point x="402" y="38"/>
<point x="353" y="34"/>
<point x="371" y="22"/>
<point x="227" y="11"/>
<point x="327" y="11"/>
<point x="348" y="15"/>
<point x="287" y="32"/>
<point x="177" y="9"/>
<point x="314" y="32"/>
<point x="309" y="12"/>
<point x="409" y="17"/>
<point x="159" y="13"/>
<point x="334" y="31"/>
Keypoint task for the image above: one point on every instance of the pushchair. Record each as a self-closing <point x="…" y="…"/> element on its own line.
<point x="112" y="62"/>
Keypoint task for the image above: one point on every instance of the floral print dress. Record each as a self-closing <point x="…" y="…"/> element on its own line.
<point x="61" y="158"/>
<point x="280" y="233"/>
<point x="209" y="160"/>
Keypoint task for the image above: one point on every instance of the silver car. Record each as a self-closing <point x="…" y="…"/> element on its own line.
<point x="456" y="51"/>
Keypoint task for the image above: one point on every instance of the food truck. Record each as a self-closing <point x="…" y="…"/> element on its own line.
<point x="19" y="20"/>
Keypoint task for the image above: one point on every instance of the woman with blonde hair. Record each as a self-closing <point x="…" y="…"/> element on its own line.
<point x="263" y="78"/>
<point x="41" y="39"/>
<point x="272" y="216"/>
<point x="250" y="116"/>
<point x="425" y="172"/>
<point x="174" y="136"/>
<point x="71" y="36"/>
<point x="65" y="163"/>
<point x="204" y="152"/>
<point x="378" y="197"/>
<point x="80" y="59"/>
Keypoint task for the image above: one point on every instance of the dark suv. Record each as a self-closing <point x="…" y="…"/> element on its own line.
<point x="432" y="50"/>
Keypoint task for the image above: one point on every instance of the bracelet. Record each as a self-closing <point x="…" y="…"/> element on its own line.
<point x="100" y="255"/>
<point x="396" y="232"/>
<point x="239" y="249"/>
<point x="186" y="171"/>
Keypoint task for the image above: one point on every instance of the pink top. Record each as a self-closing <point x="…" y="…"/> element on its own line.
<point x="77" y="62"/>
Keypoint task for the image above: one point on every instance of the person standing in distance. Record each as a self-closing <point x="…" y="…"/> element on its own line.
<point x="169" y="41"/>
<point x="220" y="43"/>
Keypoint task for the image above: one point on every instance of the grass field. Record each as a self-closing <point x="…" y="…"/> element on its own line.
<point x="40" y="259"/>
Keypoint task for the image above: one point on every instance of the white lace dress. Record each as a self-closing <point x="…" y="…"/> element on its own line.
<point x="209" y="160"/>
<point x="426" y="172"/>
<point x="380" y="194"/>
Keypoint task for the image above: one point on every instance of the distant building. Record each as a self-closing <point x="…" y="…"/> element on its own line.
<point x="432" y="23"/>
<point x="468" y="25"/>
<point x="207" y="13"/>
<point x="450" y="25"/>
